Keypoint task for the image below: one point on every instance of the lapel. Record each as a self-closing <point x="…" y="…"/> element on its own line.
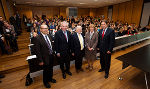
<point x="106" y="33"/>
<point x="92" y="35"/>
<point x="77" y="37"/>
<point x="100" y="33"/>
<point x="50" y="38"/>
<point x="63" y="35"/>
<point x="43" y="40"/>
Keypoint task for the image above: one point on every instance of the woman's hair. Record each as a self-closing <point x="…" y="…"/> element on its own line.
<point x="91" y="25"/>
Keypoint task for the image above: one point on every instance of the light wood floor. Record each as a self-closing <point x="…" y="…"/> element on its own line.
<point x="133" y="79"/>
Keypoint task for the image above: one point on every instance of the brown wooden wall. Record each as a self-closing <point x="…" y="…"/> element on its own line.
<point x="8" y="9"/>
<point x="1" y="11"/>
<point x="83" y="12"/>
<point x="102" y="11"/>
<point x="7" y="14"/>
<point x="129" y="11"/>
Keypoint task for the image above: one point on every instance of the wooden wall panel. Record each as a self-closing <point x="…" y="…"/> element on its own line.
<point x="4" y="3"/>
<point x="102" y="11"/>
<point x="121" y="13"/>
<point x="128" y="11"/>
<point x="25" y="9"/>
<point x="1" y="11"/>
<point x="63" y="11"/>
<point x="137" y="9"/>
<point x="93" y="12"/>
<point x="106" y="12"/>
<point x="48" y="11"/>
<point x="83" y="12"/>
<point x="115" y="12"/>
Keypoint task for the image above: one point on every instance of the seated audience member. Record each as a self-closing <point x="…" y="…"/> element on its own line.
<point x="121" y="32"/>
<point x="2" y="46"/>
<point x="146" y="28"/>
<point x="10" y="36"/>
<point x="52" y="26"/>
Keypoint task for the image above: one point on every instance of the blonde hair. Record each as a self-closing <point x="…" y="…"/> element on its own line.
<point x="91" y="25"/>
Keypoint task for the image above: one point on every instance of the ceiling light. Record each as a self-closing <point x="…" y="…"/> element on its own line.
<point x="60" y="4"/>
<point x="28" y="2"/>
<point x="82" y="3"/>
<point x="61" y="1"/>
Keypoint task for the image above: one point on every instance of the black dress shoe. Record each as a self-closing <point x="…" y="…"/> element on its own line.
<point x="47" y="85"/>
<point x="64" y="76"/>
<point x="28" y="81"/>
<point x="0" y="81"/>
<point x="53" y="80"/>
<point x="101" y="70"/>
<point x="106" y="76"/>
<point x="69" y="73"/>
<point x="2" y="76"/>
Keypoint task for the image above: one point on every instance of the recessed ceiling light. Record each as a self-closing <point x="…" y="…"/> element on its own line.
<point x="61" y="1"/>
<point x="82" y="3"/>
<point x="60" y="4"/>
<point x="28" y="2"/>
<point x="39" y="3"/>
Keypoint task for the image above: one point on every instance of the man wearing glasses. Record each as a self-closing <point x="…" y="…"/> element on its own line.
<point x="44" y="53"/>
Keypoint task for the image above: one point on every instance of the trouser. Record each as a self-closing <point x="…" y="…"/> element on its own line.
<point x="48" y="71"/>
<point x="64" y="60"/>
<point x="78" y="59"/>
<point x="105" y="60"/>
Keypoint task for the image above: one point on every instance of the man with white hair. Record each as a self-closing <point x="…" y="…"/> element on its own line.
<point x="62" y="43"/>
<point x="78" y="48"/>
<point x="44" y="53"/>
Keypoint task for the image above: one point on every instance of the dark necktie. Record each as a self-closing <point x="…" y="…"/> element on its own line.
<point x="65" y="36"/>
<point x="49" y="46"/>
<point x="103" y="34"/>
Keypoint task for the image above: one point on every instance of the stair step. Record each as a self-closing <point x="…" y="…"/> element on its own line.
<point x="13" y="64"/>
<point x="21" y="53"/>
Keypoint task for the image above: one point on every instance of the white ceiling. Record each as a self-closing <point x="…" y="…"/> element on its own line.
<point x="71" y="3"/>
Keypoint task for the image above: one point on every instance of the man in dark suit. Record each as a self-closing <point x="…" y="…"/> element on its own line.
<point x="78" y="48"/>
<point x="44" y="53"/>
<point x="62" y="43"/>
<point x="106" y="42"/>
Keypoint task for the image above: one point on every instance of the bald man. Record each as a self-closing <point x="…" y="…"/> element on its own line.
<point x="44" y="53"/>
<point x="78" y="48"/>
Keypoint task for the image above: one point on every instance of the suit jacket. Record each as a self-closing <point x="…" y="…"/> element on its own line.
<point x="42" y="50"/>
<point x="61" y="44"/>
<point x="107" y="43"/>
<point x="76" y="44"/>
<point x="92" y="43"/>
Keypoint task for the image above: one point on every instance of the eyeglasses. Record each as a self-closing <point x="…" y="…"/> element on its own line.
<point x="44" y="28"/>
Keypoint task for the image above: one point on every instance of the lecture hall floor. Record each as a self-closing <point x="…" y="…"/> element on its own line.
<point x="16" y="68"/>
